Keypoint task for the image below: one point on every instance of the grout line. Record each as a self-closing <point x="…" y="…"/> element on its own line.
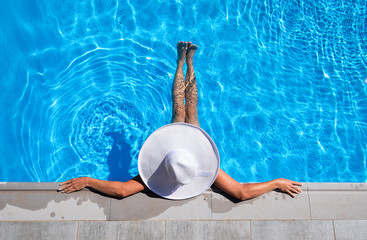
<point x="76" y="232"/>
<point x="211" y="205"/>
<point x="250" y="229"/>
<point x="109" y="212"/>
<point x="333" y="229"/>
<point x="164" y="230"/>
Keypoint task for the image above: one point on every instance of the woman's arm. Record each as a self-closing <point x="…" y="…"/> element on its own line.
<point x="251" y="190"/>
<point x="110" y="188"/>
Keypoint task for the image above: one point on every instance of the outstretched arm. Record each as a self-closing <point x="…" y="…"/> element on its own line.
<point x="110" y="188"/>
<point x="251" y="190"/>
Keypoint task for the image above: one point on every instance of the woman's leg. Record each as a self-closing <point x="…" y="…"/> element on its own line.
<point x="191" y="89"/>
<point x="178" y="89"/>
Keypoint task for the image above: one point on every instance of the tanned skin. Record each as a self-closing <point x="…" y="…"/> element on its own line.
<point x="184" y="88"/>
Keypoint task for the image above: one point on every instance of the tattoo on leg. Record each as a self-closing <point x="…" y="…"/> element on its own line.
<point x="191" y="90"/>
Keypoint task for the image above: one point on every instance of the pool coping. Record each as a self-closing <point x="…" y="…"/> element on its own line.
<point x="318" y="201"/>
<point x="322" y="211"/>
<point x="309" y="186"/>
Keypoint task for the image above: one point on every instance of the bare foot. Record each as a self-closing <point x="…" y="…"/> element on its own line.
<point x="191" y="49"/>
<point x="181" y="52"/>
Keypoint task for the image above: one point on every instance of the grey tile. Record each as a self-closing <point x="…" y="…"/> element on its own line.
<point x="296" y="229"/>
<point x="338" y="204"/>
<point x="272" y="205"/>
<point x="176" y="230"/>
<point x="147" y="206"/>
<point x="38" y="230"/>
<point x="350" y="229"/>
<point x="121" y="230"/>
<point x="338" y="186"/>
<point x="28" y="186"/>
<point x="51" y="205"/>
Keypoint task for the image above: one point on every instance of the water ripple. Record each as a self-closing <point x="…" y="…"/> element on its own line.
<point x="282" y="85"/>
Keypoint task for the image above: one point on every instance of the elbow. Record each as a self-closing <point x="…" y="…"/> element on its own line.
<point x="243" y="195"/>
<point x="121" y="193"/>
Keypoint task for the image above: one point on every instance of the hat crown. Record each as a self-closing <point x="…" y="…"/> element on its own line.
<point x="163" y="176"/>
<point x="181" y="166"/>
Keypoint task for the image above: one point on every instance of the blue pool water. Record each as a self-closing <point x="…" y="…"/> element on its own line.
<point x="282" y="85"/>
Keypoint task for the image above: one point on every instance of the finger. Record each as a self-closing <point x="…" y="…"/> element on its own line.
<point x="64" y="185"/>
<point x="69" y="190"/>
<point x="66" y="188"/>
<point x="297" y="183"/>
<point x="63" y="189"/>
<point x="296" y="189"/>
<point x="66" y="182"/>
<point x="290" y="193"/>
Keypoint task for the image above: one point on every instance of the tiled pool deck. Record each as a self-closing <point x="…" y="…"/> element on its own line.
<point x="323" y="211"/>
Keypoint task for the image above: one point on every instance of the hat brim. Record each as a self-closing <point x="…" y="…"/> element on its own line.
<point x="176" y="136"/>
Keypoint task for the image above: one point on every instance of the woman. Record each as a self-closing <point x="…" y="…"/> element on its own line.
<point x="187" y="113"/>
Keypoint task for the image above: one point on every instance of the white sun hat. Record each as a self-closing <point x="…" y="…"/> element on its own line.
<point x="178" y="161"/>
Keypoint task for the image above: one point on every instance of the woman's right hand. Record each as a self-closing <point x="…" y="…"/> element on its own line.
<point x="73" y="185"/>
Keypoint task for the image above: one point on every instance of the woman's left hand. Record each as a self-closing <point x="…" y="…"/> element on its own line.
<point x="288" y="186"/>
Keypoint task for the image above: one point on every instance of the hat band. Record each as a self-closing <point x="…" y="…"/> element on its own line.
<point x="200" y="173"/>
<point x="204" y="173"/>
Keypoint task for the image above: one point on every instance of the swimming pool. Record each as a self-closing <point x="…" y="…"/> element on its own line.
<point x="282" y="86"/>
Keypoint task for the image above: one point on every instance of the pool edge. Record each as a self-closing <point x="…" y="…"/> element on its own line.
<point x="321" y="211"/>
